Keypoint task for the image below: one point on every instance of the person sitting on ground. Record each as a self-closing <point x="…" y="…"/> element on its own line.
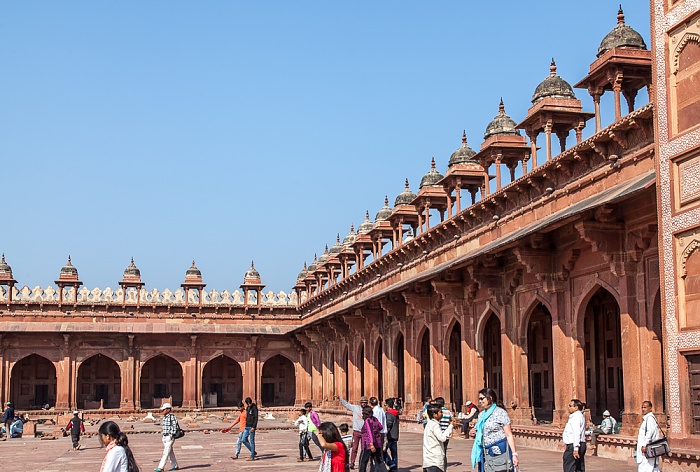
<point x="335" y="452"/>
<point x="17" y="427"/>
<point x="606" y="427"/>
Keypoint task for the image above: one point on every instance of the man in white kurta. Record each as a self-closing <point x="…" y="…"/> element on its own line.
<point x="648" y="431"/>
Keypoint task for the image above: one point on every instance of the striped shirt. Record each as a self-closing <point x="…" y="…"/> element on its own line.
<point x="446" y="419"/>
<point x="169" y="424"/>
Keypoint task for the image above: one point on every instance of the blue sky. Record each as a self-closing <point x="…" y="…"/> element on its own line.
<point x="235" y="131"/>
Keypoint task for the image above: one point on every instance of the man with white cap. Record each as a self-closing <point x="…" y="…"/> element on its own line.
<point x="606" y="427"/>
<point x="75" y="427"/>
<point x="169" y="426"/>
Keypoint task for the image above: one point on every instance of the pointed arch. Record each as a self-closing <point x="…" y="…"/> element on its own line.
<point x="540" y="362"/>
<point x="454" y="356"/>
<point x="33" y="382"/>
<point x="222" y="382"/>
<point x="492" y="353"/>
<point x="278" y="381"/>
<point x="399" y="356"/>
<point x="426" y="381"/>
<point x="536" y="301"/>
<point x="579" y="310"/>
<point x="99" y="383"/>
<point x="480" y="325"/>
<point x="161" y="380"/>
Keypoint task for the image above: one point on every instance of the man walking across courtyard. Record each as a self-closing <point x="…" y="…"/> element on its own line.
<point x="648" y="432"/>
<point x="251" y="422"/>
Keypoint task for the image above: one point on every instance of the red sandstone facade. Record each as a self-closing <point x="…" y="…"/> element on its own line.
<point x="544" y="285"/>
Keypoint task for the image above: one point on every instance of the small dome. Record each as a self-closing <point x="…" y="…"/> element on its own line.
<point x="553" y="86"/>
<point x="132" y="269"/>
<point x="252" y="273"/>
<point x="5" y="269"/>
<point x="501" y="125"/>
<point x="313" y="265"/>
<point x="69" y="270"/>
<point x="405" y="197"/>
<point x="409" y="236"/>
<point x="193" y="271"/>
<point x="432" y="177"/>
<point x="621" y="36"/>
<point x="462" y="155"/>
<point x="323" y="257"/>
<point x="385" y="212"/>
<point x="302" y="274"/>
<point x="350" y="238"/>
<point x="337" y="247"/>
<point x="366" y="225"/>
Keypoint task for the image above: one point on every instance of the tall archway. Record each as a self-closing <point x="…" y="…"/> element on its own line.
<point x="603" y="355"/>
<point x="361" y="368"/>
<point x="540" y="364"/>
<point x="455" y="361"/>
<point x="33" y="383"/>
<point x="99" y="383"/>
<point x="278" y="382"/>
<point x="400" y="367"/>
<point x="161" y="380"/>
<point x="425" y="371"/>
<point x="492" y="355"/>
<point x="331" y="368"/>
<point x="222" y="382"/>
<point x="380" y="371"/>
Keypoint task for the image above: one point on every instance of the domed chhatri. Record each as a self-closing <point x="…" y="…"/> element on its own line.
<point x="337" y="247"/>
<point x="68" y="271"/>
<point x="314" y="264"/>
<point x="302" y="274"/>
<point x="323" y="257"/>
<point x="5" y="269"/>
<point x="432" y="177"/>
<point x="251" y="274"/>
<point x="385" y="212"/>
<point x="405" y="197"/>
<point x="621" y="36"/>
<point x="553" y="86"/>
<point x="349" y="240"/>
<point x="366" y="225"/>
<point x="132" y="270"/>
<point x="501" y="125"/>
<point x="193" y="274"/>
<point x="463" y="155"/>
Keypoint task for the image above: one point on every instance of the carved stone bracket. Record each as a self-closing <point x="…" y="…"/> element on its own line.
<point x="607" y="238"/>
<point x="451" y="295"/>
<point x="639" y="240"/>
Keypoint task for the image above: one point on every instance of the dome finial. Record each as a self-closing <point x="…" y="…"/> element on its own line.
<point x="620" y="16"/>
<point x="352" y="227"/>
<point x="464" y="137"/>
<point x="252" y="264"/>
<point x="192" y="260"/>
<point x="406" y="186"/>
<point x="337" y="238"/>
<point x="432" y="163"/>
<point x="501" y="106"/>
<point x="386" y="200"/>
<point x="69" y="259"/>
<point x="553" y="68"/>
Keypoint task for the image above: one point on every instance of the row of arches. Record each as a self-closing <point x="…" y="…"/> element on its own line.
<point x="602" y="353"/>
<point x="33" y="382"/>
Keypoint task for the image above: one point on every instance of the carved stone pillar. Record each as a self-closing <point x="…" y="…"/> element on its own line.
<point x="128" y="377"/>
<point x="190" y="377"/>
<point x="65" y="376"/>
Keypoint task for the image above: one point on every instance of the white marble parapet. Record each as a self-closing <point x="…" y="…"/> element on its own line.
<point x="96" y="296"/>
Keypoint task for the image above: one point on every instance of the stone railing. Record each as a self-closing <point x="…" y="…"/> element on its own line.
<point x="96" y="296"/>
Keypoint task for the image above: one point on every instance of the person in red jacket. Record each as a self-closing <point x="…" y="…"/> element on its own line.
<point x="392" y="435"/>
<point x="76" y="428"/>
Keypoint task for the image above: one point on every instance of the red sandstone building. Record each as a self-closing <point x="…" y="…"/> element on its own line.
<point x="569" y="268"/>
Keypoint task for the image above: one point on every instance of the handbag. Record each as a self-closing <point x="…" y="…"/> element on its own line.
<point x="500" y="463"/>
<point x="658" y="447"/>
<point x="178" y="433"/>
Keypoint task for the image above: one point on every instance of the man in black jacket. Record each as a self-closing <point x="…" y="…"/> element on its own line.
<point x="8" y="417"/>
<point x="251" y="422"/>
<point x="75" y="428"/>
<point x="392" y="434"/>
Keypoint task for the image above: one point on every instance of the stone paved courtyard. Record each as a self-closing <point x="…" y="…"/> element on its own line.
<point x="211" y="452"/>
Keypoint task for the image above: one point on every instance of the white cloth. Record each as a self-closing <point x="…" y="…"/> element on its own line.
<point x="433" y="450"/>
<point x="168" y="453"/>
<point x="379" y="413"/>
<point x="575" y="430"/>
<point x="116" y="460"/>
<point x="648" y="432"/>
<point x="303" y="424"/>
<point x="608" y="425"/>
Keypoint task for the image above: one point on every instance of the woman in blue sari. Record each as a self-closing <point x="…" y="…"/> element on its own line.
<point x="493" y="435"/>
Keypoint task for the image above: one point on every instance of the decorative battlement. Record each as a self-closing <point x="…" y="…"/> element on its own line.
<point x="96" y="296"/>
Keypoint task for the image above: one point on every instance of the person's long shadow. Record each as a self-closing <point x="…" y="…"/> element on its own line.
<point x="198" y="466"/>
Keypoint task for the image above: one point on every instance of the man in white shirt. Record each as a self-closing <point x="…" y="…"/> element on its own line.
<point x="433" y="441"/>
<point x="378" y="412"/>
<point x="575" y="438"/>
<point x="648" y="432"/>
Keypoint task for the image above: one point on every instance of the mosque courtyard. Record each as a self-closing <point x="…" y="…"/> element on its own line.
<point x="209" y="450"/>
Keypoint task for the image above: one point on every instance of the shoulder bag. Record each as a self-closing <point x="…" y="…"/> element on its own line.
<point x="659" y="447"/>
